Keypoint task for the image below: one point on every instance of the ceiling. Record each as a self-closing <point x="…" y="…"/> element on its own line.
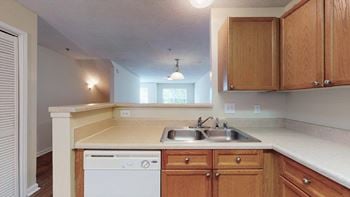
<point x="134" y="33"/>
<point x="249" y="3"/>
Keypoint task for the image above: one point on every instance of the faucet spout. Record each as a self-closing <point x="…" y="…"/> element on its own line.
<point x="201" y="122"/>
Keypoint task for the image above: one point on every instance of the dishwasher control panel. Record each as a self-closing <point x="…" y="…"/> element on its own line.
<point x="122" y="160"/>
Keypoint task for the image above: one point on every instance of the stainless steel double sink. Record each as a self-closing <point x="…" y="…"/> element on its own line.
<point x="202" y="135"/>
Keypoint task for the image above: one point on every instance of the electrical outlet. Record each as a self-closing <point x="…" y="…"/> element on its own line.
<point x="257" y="109"/>
<point x="125" y="113"/>
<point x="229" y="108"/>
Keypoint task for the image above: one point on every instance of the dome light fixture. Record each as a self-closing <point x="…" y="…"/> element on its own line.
<point x="201" y="3"/>
<point x="177" y="75"/>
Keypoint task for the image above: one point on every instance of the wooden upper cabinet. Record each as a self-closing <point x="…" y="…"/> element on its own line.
<point x="337" y="31"/>
<point x="302" y="48"/>
<point x="248" y="54"/>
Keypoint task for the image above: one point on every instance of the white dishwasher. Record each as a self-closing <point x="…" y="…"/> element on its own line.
<point x="122" y="173"/>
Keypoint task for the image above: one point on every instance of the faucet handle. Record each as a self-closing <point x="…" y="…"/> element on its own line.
<point x="199" y="121"/>
<point x="225" y="125"/>
<point x="217" y="122"/>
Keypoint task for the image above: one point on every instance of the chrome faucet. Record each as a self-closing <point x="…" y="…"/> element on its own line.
<point x="200" y="122"/>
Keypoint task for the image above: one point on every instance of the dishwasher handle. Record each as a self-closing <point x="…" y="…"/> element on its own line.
<point x="101" y="156"/>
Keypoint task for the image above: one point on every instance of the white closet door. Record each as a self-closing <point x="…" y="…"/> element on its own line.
<point x="9" y="180"/>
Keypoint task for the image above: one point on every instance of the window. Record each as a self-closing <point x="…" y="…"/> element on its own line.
<point x="174" y="95"/>
<point x="144" y="95"/>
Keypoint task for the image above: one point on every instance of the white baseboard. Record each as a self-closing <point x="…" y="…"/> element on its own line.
<point x="43" y="152"/>
<point x="32" y="189"/>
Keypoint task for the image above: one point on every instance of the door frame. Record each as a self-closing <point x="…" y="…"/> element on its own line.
<point x="23" y="104"/>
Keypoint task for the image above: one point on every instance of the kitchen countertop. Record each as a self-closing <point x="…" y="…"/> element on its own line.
<point x="328" y="158"/>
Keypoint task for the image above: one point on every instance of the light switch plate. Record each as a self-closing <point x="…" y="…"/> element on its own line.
<point x="229" y="108"/>
<point x="257" y="109"/>
<point x="125" y="113"/>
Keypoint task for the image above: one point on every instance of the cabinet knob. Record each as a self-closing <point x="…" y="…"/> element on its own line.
<point x="187" y="160"/>
<point x="327" y="83"/>
<point x="306" y="181"/>
<point x="217" y="174"/>
<point x="232" y="86"/>
<point x="316" y="84"/>
<point x="238" y="160"/>
<point x="207" y="174"/>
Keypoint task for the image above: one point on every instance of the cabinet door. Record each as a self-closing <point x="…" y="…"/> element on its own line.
<point x="253" y="54"/>
<point x="337" y="42"/>
<point x="247" y="183"/>
<point x="186" y="183"/>
<point x="302" y="48"/>
<point x="290" y="190"/>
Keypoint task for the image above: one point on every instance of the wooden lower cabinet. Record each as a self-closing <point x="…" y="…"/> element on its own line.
<point x="247" y="183"/>
<point x="190" y="173"/>
<point x="186" y="183"/>
<point x="290" y="190"/>
<point x="297" y="176"/>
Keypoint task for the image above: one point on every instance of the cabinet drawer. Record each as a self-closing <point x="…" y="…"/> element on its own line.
<point x="187" y="159"/>
<point x="235" y="159"/>
<point x="309" y="181"/>
<point x="288" y="189"/>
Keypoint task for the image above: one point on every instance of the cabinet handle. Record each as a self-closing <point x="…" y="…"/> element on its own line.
<point x="187" y="160"/>
<point x="316" y="84"/>
<point x="238" y="160"/>
<point x="306" y="181"/>
<point x="207" y="174"/>
<point x="327" y="83"/>
<point x="217" y="174"/>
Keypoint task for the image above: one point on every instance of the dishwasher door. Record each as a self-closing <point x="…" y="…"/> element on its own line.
<point x="122" y="173"/>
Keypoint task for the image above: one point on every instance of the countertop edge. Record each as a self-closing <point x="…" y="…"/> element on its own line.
<point x="80" y="108"/>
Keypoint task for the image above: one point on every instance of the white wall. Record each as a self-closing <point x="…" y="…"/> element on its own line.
<point x="328" y="107"/>
<point x="62" y="81"/>
<point x="202" y="89"/>
<point x="15" y="15"/>
<point x="152" y="91"/>
<point x="126" y="85"/>
<point x="272" y="104"/>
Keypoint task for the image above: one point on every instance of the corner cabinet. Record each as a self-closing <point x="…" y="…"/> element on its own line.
<point x="302" y="46"/>
<point x="248" y="54"/>
<point x="337" y="31"/>
<point x="315" y="45"/>
<point x="299" y="181"/>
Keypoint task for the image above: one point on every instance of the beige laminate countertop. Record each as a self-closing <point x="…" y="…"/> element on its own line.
<point x="328" y="158"/>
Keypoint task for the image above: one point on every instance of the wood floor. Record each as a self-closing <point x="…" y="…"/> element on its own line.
<point x="44" y="176"/>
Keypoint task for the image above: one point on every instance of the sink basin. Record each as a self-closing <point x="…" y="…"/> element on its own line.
<point x="228" y="135"/>
<point x="202" y="135"/>
<point x="185" y="135"/>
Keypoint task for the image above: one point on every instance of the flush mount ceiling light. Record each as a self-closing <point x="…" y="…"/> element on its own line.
<point x="201" y="3"/>
<point x="177" y="75"/>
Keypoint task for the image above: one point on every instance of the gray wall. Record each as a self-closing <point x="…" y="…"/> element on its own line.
<point x="62" y="81"/>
